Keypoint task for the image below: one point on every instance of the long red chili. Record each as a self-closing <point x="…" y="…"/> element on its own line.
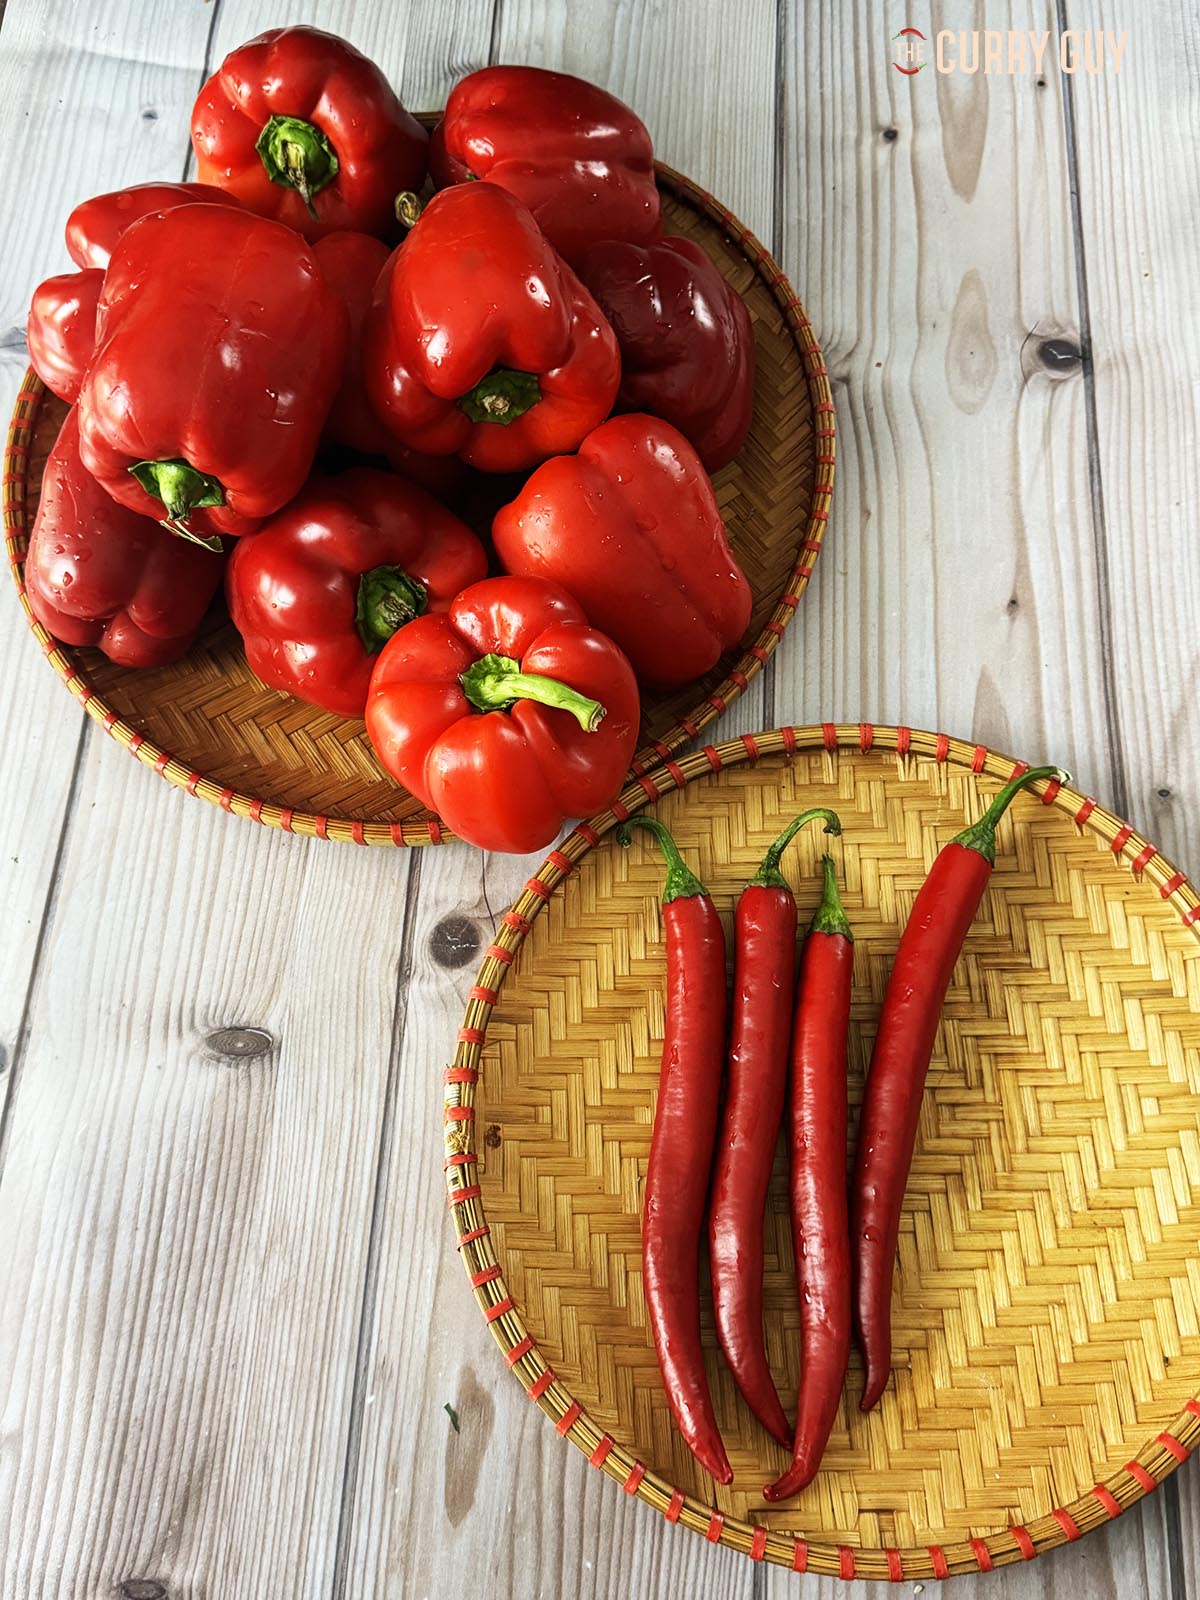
<point x="820" y="1230"/>
<point x="685" y="1125"/>
<point x="944" y="909"/>
<point x="764" y="966"/>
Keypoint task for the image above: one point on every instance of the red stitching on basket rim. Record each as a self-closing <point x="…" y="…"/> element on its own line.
<point x="568" y="1419"/>
<point x="845" y="1561"/>
<point x="937" y="1557"/>
<point x="895" y="1565"/>
<point x="716" y="1524"/>
<point x="1140" y="1476"/>
<point x="1121" y="838"/>
<point x="1108" y="1500"/>
<point x="602" y="1451"/>
<point x="1066" y="1522"/>
<point x="1170" y="1443"/>
<point x="539" y="1385"/>
<point x="758" y="1543"/>
<point x="983" y="1556"/>
<point x="675" y="1506"/>
<point x="636" y="1473"/>
<point x="1024" y="1543"/>
<point x="514" y="1355"/>
<point x="800" y="1556"/>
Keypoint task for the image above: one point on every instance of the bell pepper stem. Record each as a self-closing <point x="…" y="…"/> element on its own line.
<point x="768" y="875"/>
<point x="830" y="916"/>
<point x="496" y="683"/>
<point x="681" y="882"/>
<point x="503" y="396"/>
<point x="387" y="599"/>
<point x="981" y="835"/>
<point x="182" y="489"/>
<point x="408" y="208"/>
<point x="297" y="155"/>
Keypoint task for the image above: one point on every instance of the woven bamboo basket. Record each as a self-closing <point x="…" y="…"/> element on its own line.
<point x="1047" y="1299"/>
<point x="207" y="725"/>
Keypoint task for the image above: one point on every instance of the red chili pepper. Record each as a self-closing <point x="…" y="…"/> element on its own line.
<point x="505" y="715"/>
<point x="482" y="342"/>
<point x="98" y="574"/>
<point x="685" y="1126"/>
<point x="631" y="526"/>
<point x="764" y="963"/>
<point x="61" y="330"/>
<point x="302" y="127"/>
<point x="570" y="151"/>
<point x="219" y="347"/>
<point x="820" y="1230"/>
<point x="95" y="225"/>
<point x="319" y="590"/>
<point x="687" y="344"/>
<point x="944" y="909"/>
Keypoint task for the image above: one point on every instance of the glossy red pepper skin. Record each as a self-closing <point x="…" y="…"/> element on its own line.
<point x="98" y="574"/>
<point x="764" y="964"/>
<point x="238" y="305"/>
<point x="942" y="912"/>
<point x="61" y="330"/>
<point x="353" y="117"/>
<point x="296" y="589"/>
<point x="681" y="1147"/>
<point x="578" y="158"/>
<point x="504" y="779"/>
<point x="350" y="264"/>
<point x="630" y="525"/>
<point x="476" y="290"/>
<point x="95" y="225"/>
<point x="687" y="343"/>
<point x="820" y="1226"/>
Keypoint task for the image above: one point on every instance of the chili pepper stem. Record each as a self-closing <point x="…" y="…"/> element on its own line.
<point x="387" y="598"/>
<point x="681" y="882"/>
<point x="981" y="835"/>
<point x="768" y="875"/>
<point x="830" y="915"/>
<point x="496" y="683"/>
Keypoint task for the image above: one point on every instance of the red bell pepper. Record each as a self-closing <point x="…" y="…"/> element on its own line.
<point x="301" y="127"/>
<point x="573" y="153"/>
<point x="95" y="225"/>
<point x="98" y="574"/>
<point x="219" y="348"/>
<point x="351" y="263"/>
<point x="482" y="342"/>
<point x="61" y="330"/>
<point x="319" y="590"/>
<point x="630" y="526"/>
<point x="687" y="345"/>
<point x="506" y="715"/>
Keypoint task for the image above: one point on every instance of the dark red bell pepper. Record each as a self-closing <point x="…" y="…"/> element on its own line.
<point x="570" y="151"/>
<point x="95" y="225"/>
<point x="98" y="574"/>
<point x="61" y="330"/>
<point x="301" y="127"/>
<point x="506" y="715"/>
<point x="687" y="344"/>
<point x="351" y="263"/>
<point x="630" y="525"/>
<point x="219" y="348"/>
<point x="319" y="590"/>
<point x="482" y="342"/>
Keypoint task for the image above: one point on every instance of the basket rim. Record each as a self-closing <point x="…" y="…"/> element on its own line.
<point x="1154" y="1461"/>
<point x="427" y="828"/>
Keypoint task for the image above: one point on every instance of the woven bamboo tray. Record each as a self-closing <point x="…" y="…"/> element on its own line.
<point x="207" y="725"/>
<point x="1047" y="1302"/>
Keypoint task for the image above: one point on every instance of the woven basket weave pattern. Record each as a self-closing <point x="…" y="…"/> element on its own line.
<point x="1045" y="1324"/>
<point x="206" y="724"/>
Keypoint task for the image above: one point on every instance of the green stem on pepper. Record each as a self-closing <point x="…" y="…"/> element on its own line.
<point x="496" y="683"/>
<point x="297" y="155"/>
<point x="387" y="599"/>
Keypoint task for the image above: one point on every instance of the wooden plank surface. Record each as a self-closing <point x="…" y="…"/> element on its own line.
<point x="231" y="1318"/>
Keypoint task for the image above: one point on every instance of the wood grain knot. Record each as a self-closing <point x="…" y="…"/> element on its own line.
<point x="891" y="135"/>
<point x="1059" y="356"/>
<point x="454" y="941"/>
<point x="142" y="1589"/>
<point x="493" y="1137"/>
<point x="240" y="1044"/>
